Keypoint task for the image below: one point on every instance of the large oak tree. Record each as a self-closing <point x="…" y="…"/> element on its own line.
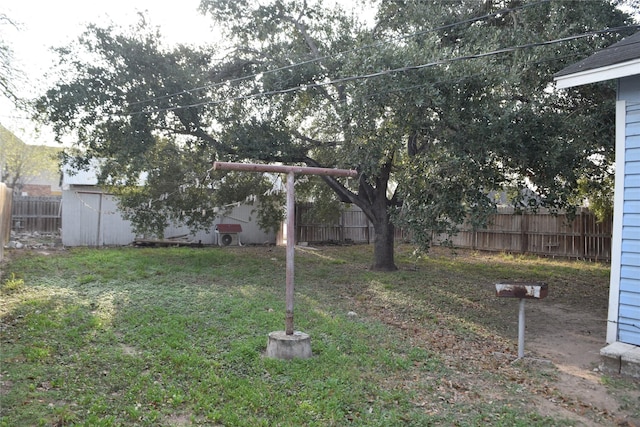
<point x="436" y="104"/>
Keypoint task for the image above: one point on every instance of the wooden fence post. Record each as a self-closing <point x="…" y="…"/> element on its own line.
<point x="583" y="235"/>
<point x="6" y="195"/>
<point x="524" y="233"/>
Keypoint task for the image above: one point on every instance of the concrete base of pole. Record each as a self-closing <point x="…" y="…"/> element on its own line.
<point x="283" y="346"/>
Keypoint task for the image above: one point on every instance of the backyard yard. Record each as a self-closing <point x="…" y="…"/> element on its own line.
<point x="176" y="337"/>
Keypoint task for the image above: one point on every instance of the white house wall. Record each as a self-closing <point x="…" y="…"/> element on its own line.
<point x="91" y="218"/>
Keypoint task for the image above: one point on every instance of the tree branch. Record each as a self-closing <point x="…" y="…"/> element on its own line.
<point x="314" y="49"/>
<point x="315" y="142"/>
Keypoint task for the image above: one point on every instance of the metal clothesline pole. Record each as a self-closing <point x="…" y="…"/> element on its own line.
<point x="291" y="229"/>
<point x="521" y="328"/>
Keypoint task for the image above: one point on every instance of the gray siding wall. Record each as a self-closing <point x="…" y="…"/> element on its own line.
<point x="629" y="308"/>
<point x="91" y="218"/>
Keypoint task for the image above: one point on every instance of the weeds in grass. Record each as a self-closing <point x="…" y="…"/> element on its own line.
<point x="13" y="284"/>
<point x="176" y="336"/>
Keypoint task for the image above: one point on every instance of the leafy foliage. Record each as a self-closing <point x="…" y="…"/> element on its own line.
<point x="7" y="67"/>
<point x="436" y="104"/>
<point x="20" y="162"/>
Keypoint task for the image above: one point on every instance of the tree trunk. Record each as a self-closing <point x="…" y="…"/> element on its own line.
<point x="375" y="205"/>
<point x="383" y="243"/>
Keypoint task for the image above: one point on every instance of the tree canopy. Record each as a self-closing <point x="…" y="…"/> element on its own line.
<point x="20" y="162"/>
<point x="436" y="104"/>
<point x="7" y="69"/>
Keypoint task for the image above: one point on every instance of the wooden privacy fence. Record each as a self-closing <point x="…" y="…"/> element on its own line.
<point x="352" y="226"/>
<point x="540" y="233"/>
<point x="41" y="214"/>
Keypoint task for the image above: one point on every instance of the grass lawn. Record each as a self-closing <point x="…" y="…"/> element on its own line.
<point x="176" y="336"/>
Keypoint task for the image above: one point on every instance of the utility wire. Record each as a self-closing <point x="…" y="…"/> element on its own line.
<point x="385" y="72"/>
<point x="461" y="79"/>
<point x="322" y="58"/>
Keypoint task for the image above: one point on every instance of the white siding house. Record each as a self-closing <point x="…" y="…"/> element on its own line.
<point x="90" y="217"/>
<point x="620" y="62"/>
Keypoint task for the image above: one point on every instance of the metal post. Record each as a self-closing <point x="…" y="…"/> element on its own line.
<point x="521" y="330"/>
<point x="522" y="291"/>
<point x="291" y="216"/>
<point x="291" y="236"/>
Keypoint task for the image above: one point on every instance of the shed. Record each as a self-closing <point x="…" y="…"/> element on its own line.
<point x="620" y="62"/>
<point x="90" y="217"/>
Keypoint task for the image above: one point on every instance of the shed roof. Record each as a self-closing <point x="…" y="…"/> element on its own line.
<point x="72" y="176"/>
<point x="621" y="59"/>
<point x="88" y="176"/>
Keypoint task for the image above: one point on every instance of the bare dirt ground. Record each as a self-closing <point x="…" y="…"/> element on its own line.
<point x="571" y="340"/>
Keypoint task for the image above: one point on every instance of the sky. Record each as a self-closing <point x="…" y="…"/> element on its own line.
<point x="43" y="24"/>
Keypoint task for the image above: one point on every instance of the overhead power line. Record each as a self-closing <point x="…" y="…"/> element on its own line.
<point x="329" y="56"/>
<point x="463" y="78"/>
<point x="381" y="73"/>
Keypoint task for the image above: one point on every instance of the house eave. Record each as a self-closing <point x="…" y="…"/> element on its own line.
<point x="610" y="72"/>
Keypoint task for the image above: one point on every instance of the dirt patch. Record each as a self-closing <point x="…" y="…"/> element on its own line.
<point x="571" y="339"/>
<point x="178" y="420"/>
